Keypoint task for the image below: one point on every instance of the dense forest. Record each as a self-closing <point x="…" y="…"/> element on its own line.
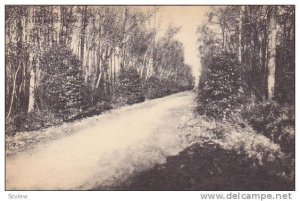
<point x="248" y="69"/>
<point x="67" y="62"/>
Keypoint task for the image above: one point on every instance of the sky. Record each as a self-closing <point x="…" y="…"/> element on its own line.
<point x="188" y="18"/>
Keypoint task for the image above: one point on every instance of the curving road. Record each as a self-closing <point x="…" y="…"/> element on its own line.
<point x="108" y="150"/>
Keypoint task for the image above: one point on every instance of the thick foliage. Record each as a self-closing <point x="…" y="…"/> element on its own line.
<point x="129" y="89"/>
<point x="221" y="87"/>
<point x="222" y="92"/>
<point x="62" y="83"/>
<point x="274" y="121"/>
<point x="179" y="85"/>
<point x="154" y="88"/>
<point x="285" y="88"/>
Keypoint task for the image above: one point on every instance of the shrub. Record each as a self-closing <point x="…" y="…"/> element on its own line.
<point x="275" y="121"/>
<point x="221" y="88"/>
<point x="154" y="88"/>
<point x="129" y="88"/>
<point x="62" y="83"/>
<point x="31" y="121"/>
<point x="170" y="86"/>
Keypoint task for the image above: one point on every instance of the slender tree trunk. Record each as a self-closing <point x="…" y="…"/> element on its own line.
<point x="31" y="91"/>
<point x="87" y="63"/>
<point x="114" y="81"/>
<point x="32" y="79"/>
<point x="240" y="33"/>
<point x="100" y="66"/>
<point x="111" y="70"/>
<point x="98" y="80"/>
<point x="123" y="61"/>
<point x="13" y="92"/>
<point x="223" y="38"/>
<point x="61" y="27"/>
<point x="272" y="52"/>
<point x="82" y="33"/>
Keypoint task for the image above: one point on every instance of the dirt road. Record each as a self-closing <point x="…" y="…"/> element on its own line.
<point x="108" y="150"/>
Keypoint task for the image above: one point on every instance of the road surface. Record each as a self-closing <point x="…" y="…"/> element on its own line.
<point x="108" y="150"/>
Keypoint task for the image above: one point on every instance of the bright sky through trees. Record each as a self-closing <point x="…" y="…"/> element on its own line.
<point x="188" y="18"/>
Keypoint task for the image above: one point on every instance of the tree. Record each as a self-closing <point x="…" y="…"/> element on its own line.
<point x="221" y="87"/>
<point x="154" y="87"/>
<point x="84" y="23"/>
<point x="242" y="10"/>
<point x="129" y="89"/>
<point x="31" y="101"/>
<point x="272" y="52"/>
<point x="62" y="83"/>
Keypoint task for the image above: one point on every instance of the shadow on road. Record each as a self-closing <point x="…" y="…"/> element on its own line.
<point x="209" y="167"/>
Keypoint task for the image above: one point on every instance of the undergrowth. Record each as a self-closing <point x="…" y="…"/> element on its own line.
<point x="220" y="156"/>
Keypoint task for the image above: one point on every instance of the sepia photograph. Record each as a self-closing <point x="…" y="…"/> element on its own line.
<point x="149" y="97"/>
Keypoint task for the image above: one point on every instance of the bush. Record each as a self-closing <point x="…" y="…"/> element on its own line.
<point x="129" y="88"/>
<point x="154" y="88"/>
<point x="170" y="86"/>
<point x="221" y="88"/>
<point x="275" y="121"/>
<point x="62" y="83"/>
<point x="31" y="121"/>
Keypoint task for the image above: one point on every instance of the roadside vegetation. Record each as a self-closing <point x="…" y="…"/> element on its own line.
<point x="69" y="62"/>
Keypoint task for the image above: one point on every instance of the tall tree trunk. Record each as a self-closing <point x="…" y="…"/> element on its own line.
<point x="61" y="26"/>
<point x="123" y="60"/>
<point x="13" y="92"/>
<point x="32" y="65"/>
<point x="272" y="52"/>
<point x="21" y="57"/>
<point x="223" y="37"/>
<point x="31" y="91"/>
<point x="240" y="33"/>
<point x="83" y="29"/>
